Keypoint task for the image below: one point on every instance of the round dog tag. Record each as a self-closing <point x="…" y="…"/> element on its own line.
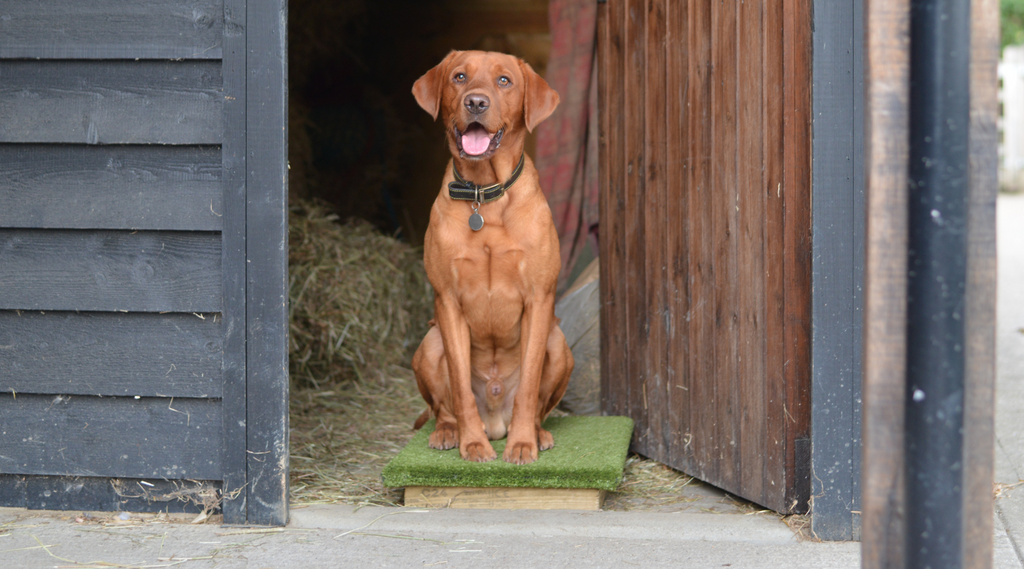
<point x="476" y="221"/>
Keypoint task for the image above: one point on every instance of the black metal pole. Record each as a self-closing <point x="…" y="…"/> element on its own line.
<point x="939" y="181"/>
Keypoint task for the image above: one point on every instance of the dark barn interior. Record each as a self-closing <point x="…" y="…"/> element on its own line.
<point x="357" y="138"/>
<point x="361" y="148"/>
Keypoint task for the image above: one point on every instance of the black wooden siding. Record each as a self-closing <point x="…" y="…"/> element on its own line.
<point x="113" y="354"/>
<point x="81" y="186"/>
<point x="123" y="217"/>
<point x="109" y="29"/>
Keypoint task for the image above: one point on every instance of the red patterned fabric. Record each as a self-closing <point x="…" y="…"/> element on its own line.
<point x="567" y="142"/>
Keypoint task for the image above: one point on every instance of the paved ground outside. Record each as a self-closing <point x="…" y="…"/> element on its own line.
<point x="1010" y="381"/>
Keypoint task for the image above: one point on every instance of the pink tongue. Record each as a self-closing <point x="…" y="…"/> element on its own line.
<point x="475" y="142"/>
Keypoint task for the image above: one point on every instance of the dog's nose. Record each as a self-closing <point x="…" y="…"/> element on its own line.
<point x="476" y="103"/>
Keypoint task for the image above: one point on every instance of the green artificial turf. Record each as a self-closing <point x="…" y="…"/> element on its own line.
<point x="589" y="452"/>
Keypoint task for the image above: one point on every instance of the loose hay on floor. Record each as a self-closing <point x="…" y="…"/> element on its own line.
<point x="359" y="305"/>
<point x="342" y="437"/>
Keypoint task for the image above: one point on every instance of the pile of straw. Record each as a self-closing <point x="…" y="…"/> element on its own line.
<point x="360" y="300"/>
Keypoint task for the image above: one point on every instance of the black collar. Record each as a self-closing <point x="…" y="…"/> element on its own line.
<point x="463" y="189"/>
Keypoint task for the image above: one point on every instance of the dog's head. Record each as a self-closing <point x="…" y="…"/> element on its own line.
<point x="488" y="101"/>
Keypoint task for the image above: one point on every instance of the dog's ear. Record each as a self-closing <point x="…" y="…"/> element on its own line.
<point x="540" y="99"/>
<point x="427" y="89"/>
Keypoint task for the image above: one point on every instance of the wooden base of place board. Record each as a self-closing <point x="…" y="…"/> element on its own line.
<point x="505" y="498"/>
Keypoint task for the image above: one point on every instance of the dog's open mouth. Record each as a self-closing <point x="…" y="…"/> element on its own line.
<point x="476" y="141"/>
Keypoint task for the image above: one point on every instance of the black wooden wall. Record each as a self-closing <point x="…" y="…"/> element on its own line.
<point x="140" y="327"/>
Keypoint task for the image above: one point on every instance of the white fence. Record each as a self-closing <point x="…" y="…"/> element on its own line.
<point x="1011" y="123"/>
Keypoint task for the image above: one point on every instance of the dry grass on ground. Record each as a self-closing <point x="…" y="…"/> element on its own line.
<point x="343" y="437"/>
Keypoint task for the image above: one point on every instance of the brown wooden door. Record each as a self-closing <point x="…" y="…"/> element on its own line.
<point x="705" y="154"/>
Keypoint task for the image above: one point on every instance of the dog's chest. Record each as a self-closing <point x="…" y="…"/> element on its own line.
<point x="488" y="281"/>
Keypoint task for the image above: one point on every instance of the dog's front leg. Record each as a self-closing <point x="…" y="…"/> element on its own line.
<point x="473" y="443"/>
<point x="522" y="434"/>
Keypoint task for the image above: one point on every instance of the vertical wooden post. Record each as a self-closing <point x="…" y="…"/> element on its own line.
<point x="838" y="266"/>
<point x="885" y="301"/>
<point x="980" y="357"/>
<point x="267" y="258"/>
<point x="887" y="49"/>
<point x="233" y="264"/>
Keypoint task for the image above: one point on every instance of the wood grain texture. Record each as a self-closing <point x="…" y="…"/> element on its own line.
<point x="111" y="354"/>
<point x="615" y="384"/>
<point x="701" y="435"/>
<point x="233" y="263"/>
<point x="773" y="97"/>
<point x="887" y="65"/>
<point x="111" y="102"/>
<point x="504" y="498"/>
<point x="699" y="307"/>
<point x="750" y="254"/>
<point x="68" y="435"/>
<point x="796" y="191"/>
<point x="155" y="29"/>
<point x="655" y="223"/>
<point x="110" y="270"/>
<point x="267" y="261"/>
<point x="111" y="187"/>
<point x="724" y="162"/>
<point x="94" y="494"/>
<point x="679" y="167"/>
<point x="980" y="312"/>
<point x="637" y="318"/>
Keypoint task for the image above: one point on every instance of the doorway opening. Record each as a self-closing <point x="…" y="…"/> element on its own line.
<point x="365" y="164"/>
<point x="365" y="167"/>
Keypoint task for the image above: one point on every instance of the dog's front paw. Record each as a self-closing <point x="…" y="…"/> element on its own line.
<point x="520" y="453"/>
<point x="546" y="439"/>
<point x="478" y="452"/>
<point x="445" y="436"/>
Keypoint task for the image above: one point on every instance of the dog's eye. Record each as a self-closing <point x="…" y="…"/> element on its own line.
<point x="504" y="81"/>
<point x="460" y="77"/>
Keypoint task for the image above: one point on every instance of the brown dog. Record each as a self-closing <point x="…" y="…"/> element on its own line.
<point x="494" y="361"/>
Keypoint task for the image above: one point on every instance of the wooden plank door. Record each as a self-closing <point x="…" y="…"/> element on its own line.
<point x="705" y="154"/>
